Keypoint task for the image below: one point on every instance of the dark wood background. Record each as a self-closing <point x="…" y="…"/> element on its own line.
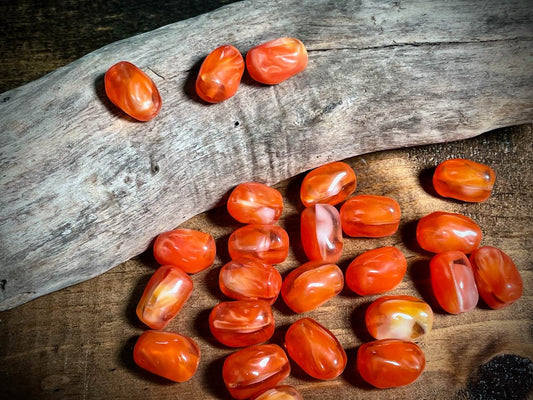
<point x="77" y="343"/>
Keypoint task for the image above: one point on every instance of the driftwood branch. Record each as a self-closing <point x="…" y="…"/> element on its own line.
<point x="83" y="187"/>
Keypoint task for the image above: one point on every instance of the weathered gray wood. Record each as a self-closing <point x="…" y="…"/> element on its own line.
<point x="85" y="188"/>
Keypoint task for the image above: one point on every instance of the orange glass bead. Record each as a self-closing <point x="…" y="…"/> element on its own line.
<point x="399" y="317"/>
<point x="442" y="231"/>
<point x="329" y="184"/>
<point x="452" y="279"/>
<point x="370" y="216"/>
<point x="131" y="90"/>
<point x="390" y="363"/>
<point x="267" y="243"/>
<point x="255" y="203"/>
<point x="284" y="392"/>
<point x="249" y="279"/>
<point x="498" y="281"/>
<point x="242" y="322"/>
<point x="165" y="294"/>
<point x="220" y="74"/>
<point x="275" y="61"/>
<point x="464" y="180"/>
<point x="315" y="349"/>
<point x="254" y="369"/>
<point x="192" y="251"/>
<point x="170" y="355"/>
<point x="321" y="232"/>
<point x="376" y="271"/>
<point x="311" y="285"/>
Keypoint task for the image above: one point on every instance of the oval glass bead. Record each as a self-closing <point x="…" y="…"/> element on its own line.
<point x="399" y="317"/>
<point x="329" y="184"/>
<point x="376" y="271"/>
<point x="443" y="231"/>
<point x="277" y="60"/>
<point x="267" y="243"/>
<point x="370" y="216"/>
<point x="255" y="203"/>
<point x="250" y="279"/>
<point x="192" y="251"/>
<point x="242" y="323"/>
<point x="321" y="233"/>
<point x="165" y="294"/>
<point x="254" y="369"/>
<point x="283" y="392"/>
<point x="220" y="74"/>
<point x="131" y="90"/>
<point x="315" y="349"/>
<point x="390" y="363"/>
<point x="453" y="283"/>
<point x="311" y="285"/>
<point x="464" y="180"/>
<point x="498" y="281"/>
<point x="170" y="355"/>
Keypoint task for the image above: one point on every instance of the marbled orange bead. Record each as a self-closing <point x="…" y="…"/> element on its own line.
<point x="255" y="203"/>
<point x="376" y="271"/>
<point x="453" y="283"/>
<point x="398" y="317"/>
<point x="329" y="184"/>
<point x="498" y="281"/>
<point x="390" y="363"/>
<point x="131" y="90"/>
<point x="443" y="231"/>
<point x="321" y="232"/>
<point x="464" y="180"/>
<point x="277" y="60"/>
<point x="165" y="294"/>
<point x="191" y="250"/>
<point x="370" y="216"/>
<point x="254" y="369"/>
<point x="242" y="323"/>
<point x="267" y="243"/>
<point x="315" y="349"/>
<point x="220" y="74"/>
<point x="283" y="392"/>
<point x="170" y="355"/>
<point x="311" y="285"/>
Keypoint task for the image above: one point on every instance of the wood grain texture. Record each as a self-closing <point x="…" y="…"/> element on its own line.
<point x="85" y="188"/>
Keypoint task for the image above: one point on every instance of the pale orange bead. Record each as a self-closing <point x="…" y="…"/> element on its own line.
<point x="255" y="203"/>
<point x="321" y="232"/>
<point x="267" y="243"/>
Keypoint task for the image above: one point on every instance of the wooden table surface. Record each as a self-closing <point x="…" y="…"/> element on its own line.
<point x="77" y="343"/>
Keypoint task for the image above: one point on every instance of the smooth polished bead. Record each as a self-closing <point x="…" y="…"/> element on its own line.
<point x="464" y="180"/>
<point x="249" y="279"/>
<point x="315" y="349"/>
<point x="452" y="279"/>
<point x="390" y="363"/>
<point x="370" y="216"/>
<point x="220" y="74"/>
<point x="165" y="294"/>
<point x="321" y="233"/>
<point x="443" y="231"/>
<point x="277" y="60"/>
<point x="242" y="323"/>
<point x="376" y="271"/>
<point x="283" y="392"/>
<point x="398" y="317"/>
<point x="131" y="90"/>
<point x="267" y="243"/>
<point x="329" y="184"/>
<point x="498" y="281"/>
<point x="170" y="355"/>
<point x="255" y="203"/>
<point x="311" y="285"/>
<point x="254" y="369"/>
<point x="191" y="250"/>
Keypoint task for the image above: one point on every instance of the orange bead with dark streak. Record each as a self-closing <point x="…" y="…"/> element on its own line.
<point x="170" y="355"/>
<point x="220" y="74"/>
<point x="267" y="243"/>
<point x="131" y="90"/>
<point x="370" y="216"/>
<point x="321" y="232"/>
<point x="255" y="203"/>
